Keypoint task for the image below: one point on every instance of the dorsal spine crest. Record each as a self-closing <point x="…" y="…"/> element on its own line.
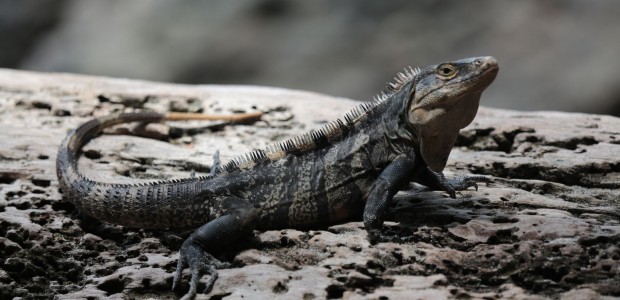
<point x="315" y="139"/>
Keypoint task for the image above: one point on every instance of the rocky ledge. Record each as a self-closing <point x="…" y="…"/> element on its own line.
<point x="546" y="226"/>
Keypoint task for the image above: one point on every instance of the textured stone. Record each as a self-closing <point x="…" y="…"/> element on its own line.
<point x="547" y="225"/>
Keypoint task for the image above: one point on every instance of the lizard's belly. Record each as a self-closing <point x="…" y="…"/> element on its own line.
<point x="314" y="191"/>
<point x="312" y="209"/>
<point x="346" y="203"/>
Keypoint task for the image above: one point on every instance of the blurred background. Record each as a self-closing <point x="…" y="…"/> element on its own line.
<point x="554" y="55"/>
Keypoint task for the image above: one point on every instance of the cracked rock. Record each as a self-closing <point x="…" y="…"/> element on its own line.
<point x="546" y="225"/>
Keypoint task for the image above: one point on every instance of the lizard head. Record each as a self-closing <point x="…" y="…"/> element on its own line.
<point x="444" y="98"/>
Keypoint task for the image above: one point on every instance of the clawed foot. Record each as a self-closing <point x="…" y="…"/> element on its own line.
<point x="200" y="262"/>
<point x="460" y="183"/>
<point x="374" y="236"/>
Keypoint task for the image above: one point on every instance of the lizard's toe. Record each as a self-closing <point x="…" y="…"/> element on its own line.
<point x="177" y="274"/>
<point x="463" y="183"/>
<point x="467" y="183"/>
<point x="452" y="193"/>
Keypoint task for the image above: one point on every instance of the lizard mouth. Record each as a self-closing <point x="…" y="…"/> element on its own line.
<point x="488" y="67"/>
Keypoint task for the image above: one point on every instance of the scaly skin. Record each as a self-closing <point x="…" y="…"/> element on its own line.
<point x="350" y="169"/>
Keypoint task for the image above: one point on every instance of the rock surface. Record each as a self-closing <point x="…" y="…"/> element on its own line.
<point x="546" y="226"/>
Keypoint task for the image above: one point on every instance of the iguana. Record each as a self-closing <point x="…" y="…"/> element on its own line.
<point x="349" y="169"/>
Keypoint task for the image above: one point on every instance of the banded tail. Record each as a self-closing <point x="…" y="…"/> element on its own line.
<point x="132" y="204"/>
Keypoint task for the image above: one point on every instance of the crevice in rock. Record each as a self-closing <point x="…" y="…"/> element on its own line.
<point x="112" y="285"/>
<point x="7" y="178"/>
<point x="573" y="143"/>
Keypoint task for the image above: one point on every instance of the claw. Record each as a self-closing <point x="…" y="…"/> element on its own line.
<point x="467" y="183"/>
<point x="440" y="182"/>
<point x="480" y="178"/>
<point x="463" y="183"/>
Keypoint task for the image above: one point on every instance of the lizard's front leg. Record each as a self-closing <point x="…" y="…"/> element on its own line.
<point x="210" y="237"/>
<point x="393" y="178"/>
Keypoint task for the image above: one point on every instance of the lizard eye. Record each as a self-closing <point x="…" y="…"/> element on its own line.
<point x="446" y="71"/>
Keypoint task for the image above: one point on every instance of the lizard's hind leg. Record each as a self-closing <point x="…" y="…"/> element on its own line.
<point x="218" y="233"/>
<point x="216" y="163"/>
<point x="214" y="166"/>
